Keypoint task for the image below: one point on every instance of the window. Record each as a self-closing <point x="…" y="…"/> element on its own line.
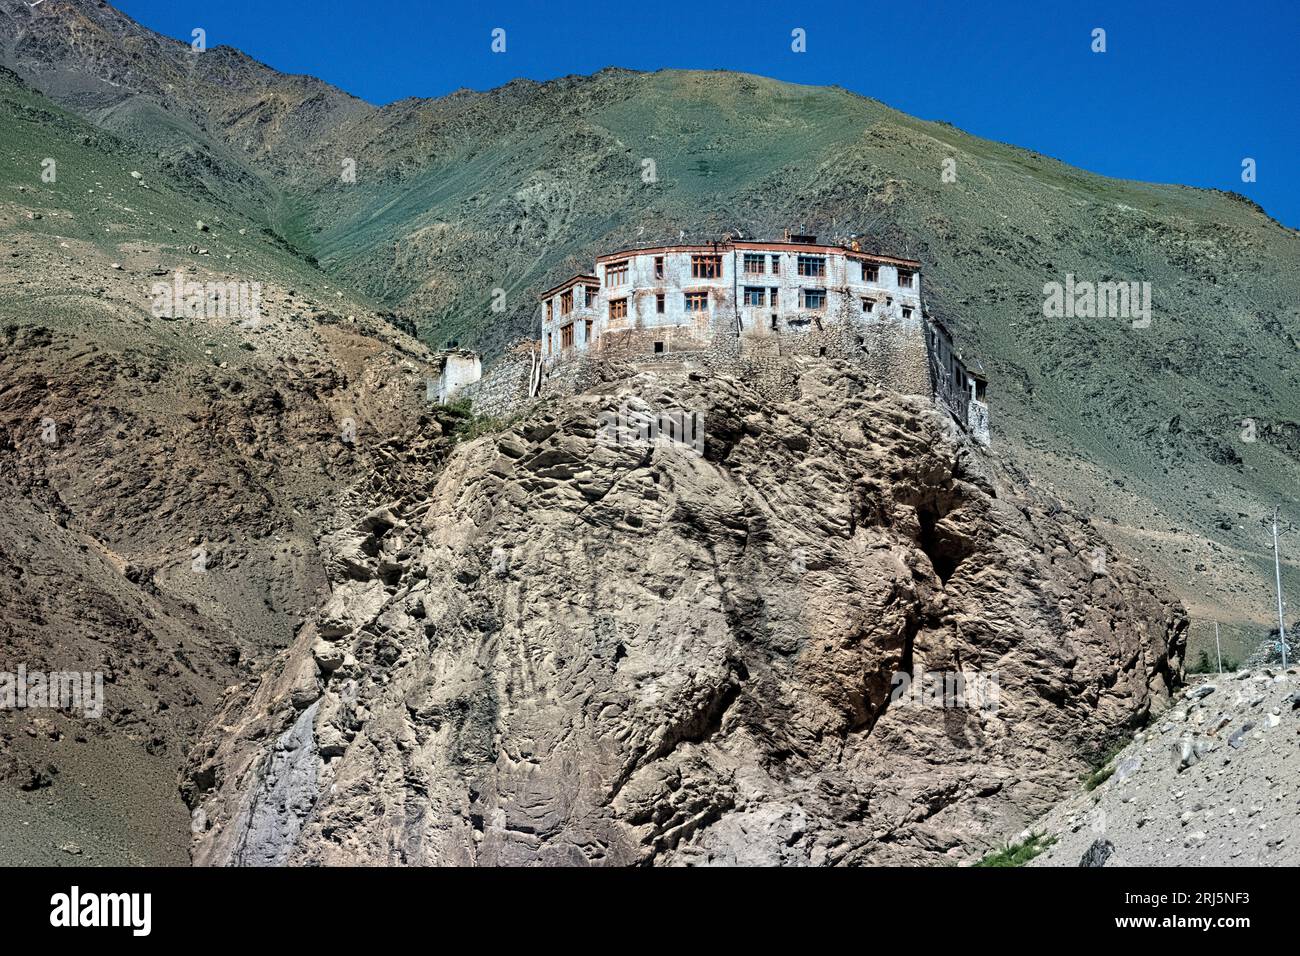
<point x="592" y="292"/>
<point x="706" y="267"/>
<point x="755" y="265"/>
<point x="904" y="279"/>
<point x="907" y="312"/>
<point x="618" y="308"/>
<point x="753" y="295"/>
<point x="870" y="273"/>
<point x="697" y="301"/>
<point x="812" y="298"/>
<point x="771" y="297"/>
<point x="566" y="302"/>
<point x="550" y="309"/>
<point x="566" y="336"/>
<point x="548" y="343"/>
<point x="659" y="267"/>
<point x="868" y="305"/>
<point x="586" y="331"/>
<point x="616" y="273"/>
<point x="812" y="265"/>
<point x="659" y="348"/>
<point x="776" y="264"/>
<point x="659" y="303"/>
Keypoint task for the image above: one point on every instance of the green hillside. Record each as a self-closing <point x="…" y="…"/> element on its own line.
<point x="516" y="187"/>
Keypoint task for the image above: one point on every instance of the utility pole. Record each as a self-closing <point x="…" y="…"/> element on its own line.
<point x="1277" y="572"/>
<point x="1217" y="649"/>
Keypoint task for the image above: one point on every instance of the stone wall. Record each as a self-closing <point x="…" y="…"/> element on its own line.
<point x="505" y="389"/>
<point x="893" y="353"/>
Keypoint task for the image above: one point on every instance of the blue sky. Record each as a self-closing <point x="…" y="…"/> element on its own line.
<point x="1184" y="92"/>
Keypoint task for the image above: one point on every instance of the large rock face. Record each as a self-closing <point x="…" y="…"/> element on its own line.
<point x="576" y="651"/>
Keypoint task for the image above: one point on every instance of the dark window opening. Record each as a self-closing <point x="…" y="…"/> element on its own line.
<point x="706" y="267"/>
<point x="616" y="273"/>
<point x="812" y="266"/>
<point x="813" y="298"/>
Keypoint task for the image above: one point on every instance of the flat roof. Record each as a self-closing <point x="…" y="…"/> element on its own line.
<point x="749" y="244"/>
<point x="575" y="280"/>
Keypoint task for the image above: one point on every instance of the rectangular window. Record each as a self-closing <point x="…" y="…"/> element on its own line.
<point x="586" y="331"/>
<point x="812" y="265"/>
<point x="566" y="336"/>
<point x="753" y="295"/>
<point x="566" y="302"/>
<point x="697" y="302"/>
<point x="907" y="312"/>
<point x="868" y="305"/>
<point x="755" y="265"/>
<point x="659" y="267"/>
<point x="904" y="279"/>
<point x="776" y="264"/>
<point x="870" y="273"/>
<point x="812" y="298"/>
<point x="618" y="308"/>
<point x="659" y="303"/>
<point x="659" y="348"/>
<point x="771" y="297"/>
<point x="592" y="292"/>
<point x="616" y="273"/>
<point x="706" y="267"/>
<point x="550" y="309"/>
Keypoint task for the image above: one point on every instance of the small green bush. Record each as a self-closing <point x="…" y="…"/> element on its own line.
<point x="1018" y="854"/>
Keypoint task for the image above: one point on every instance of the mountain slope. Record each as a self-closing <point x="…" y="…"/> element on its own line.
<point x="164" y="479"/>
<point x="517" y="187"/>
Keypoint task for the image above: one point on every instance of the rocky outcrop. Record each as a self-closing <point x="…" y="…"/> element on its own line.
<point x="572" y="650"/>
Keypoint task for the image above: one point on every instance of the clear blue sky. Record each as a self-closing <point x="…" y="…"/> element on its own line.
<point x="1184" y="92"/>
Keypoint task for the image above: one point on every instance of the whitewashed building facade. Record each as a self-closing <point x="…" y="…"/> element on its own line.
<point x="752" y="289"/>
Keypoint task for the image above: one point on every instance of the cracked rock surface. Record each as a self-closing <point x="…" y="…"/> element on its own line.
<point x="576" y="651"/>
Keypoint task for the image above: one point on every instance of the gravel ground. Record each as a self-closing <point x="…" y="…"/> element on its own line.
<point x="1212" y="782"/>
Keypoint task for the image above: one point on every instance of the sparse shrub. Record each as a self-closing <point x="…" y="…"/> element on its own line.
<point x="1204" y="665"/>
<point x="1018" y="854"/>
<point x="1098" y="777"/>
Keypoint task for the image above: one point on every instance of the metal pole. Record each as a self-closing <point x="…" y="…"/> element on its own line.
<point x="1217" y="649"/>
<point x="1277" y="571"/>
